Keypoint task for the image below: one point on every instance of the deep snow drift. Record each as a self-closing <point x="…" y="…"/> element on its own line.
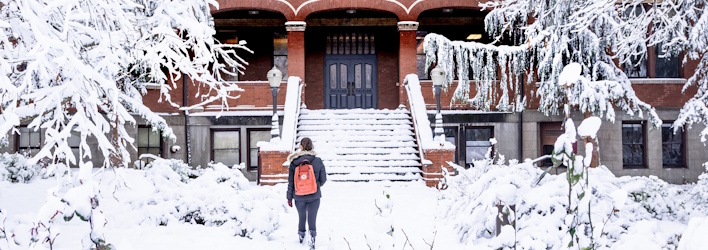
<point x="168" y="206"/>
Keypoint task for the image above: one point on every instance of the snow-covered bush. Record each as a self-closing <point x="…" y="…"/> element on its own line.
<point x="15" y="168"/>
<point x="219" y="196"/>
<point x="699" y="192"/>
<point x="620" y="207"/>
<point x="184" y="171"/>
<point x="3" y="233"/>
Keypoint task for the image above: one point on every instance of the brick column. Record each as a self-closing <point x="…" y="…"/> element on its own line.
<point x="296" y="49"/>
<point x="407" y="59"/>
<point x="438" y="157"/>
<point x="272" y="170"/>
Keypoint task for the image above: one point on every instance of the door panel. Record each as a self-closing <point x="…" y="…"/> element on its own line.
<point x="350" y="82"/>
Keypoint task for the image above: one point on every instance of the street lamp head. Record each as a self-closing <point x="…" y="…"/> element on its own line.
<point x="438" y="76"/>
<point x="274" y="77"/>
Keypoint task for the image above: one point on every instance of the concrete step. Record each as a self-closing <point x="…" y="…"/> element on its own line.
<point x="353" y="122"/>
<point x="310" y="133"/>
<point x="372" y="170"/>
<point x="364" y="144"/>
<point x="366" y="150"/>
<point x="373" y="177"/>
<point x="354" y="111"/>
<point x="354" y="127"/>
<point x="357" y="138"/>
<point x="368" y="157"/>
<point x="326" y="116"/>
<point x="380" y="163"/>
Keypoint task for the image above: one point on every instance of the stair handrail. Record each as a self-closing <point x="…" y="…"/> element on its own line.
<point x="291" y="112"/>
<point x="414" y="115"/>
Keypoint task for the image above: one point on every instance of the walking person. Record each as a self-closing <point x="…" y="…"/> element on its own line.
<point x="310" y="173"/>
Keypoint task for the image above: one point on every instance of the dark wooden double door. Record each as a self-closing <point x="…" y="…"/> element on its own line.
<point x="350" y="82"/>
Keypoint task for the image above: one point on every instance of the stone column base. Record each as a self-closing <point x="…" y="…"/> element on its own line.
<point x="272" y="170"/>
<point x="432" y="173"/>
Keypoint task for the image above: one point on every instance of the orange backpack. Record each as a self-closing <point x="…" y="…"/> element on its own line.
<point x="305" y="181"/>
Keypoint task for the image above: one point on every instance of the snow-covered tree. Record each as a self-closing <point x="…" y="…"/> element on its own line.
<point x="82" y="66"/>
<point x="682" y="26"/>
<point x="544" y="36"/>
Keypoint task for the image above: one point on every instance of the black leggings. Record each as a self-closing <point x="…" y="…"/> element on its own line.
<point x="307" y="210"/>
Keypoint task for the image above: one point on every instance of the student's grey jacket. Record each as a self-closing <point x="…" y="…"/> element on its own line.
<point x="317" y="166"/>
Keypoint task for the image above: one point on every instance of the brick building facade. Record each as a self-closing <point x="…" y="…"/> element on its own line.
<point x="306" y="38"/>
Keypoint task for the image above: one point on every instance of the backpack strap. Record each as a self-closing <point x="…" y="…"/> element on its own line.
<point x="303" y="162"/>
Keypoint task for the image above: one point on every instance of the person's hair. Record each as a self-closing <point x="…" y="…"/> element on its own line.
<point x="306" y="144"/>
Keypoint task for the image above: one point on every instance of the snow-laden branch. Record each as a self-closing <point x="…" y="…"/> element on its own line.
<point x="82" y="67"/>
<point x="548" y="35"/>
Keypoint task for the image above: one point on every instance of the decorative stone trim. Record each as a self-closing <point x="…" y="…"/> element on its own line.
<point x="407" y="26"/>
<point x="657" y="81"/>
<point x="295" y="26"/>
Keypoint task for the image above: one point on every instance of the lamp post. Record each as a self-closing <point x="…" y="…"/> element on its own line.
<point x="274" y="78"/>
<point x="438" y="77"/>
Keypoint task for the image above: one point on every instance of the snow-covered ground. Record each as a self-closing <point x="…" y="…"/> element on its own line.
<point x="348" y="215"/>
<point x="147" y="209"/>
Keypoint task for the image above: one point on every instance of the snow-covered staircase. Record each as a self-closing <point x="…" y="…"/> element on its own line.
<point x="363" y="144"/>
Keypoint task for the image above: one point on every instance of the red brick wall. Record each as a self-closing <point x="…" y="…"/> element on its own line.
<point x="387" y="53"/>
<point x="296" y="54"/>
<point x="657" y="95"/>
<point x="153" y="95"/>
<point x="407" y="58"/>
<point x="314" y="59"/>
<point x="663" y="95"/>
<point x="272" y="164"/>
<point x="438" y="157"/>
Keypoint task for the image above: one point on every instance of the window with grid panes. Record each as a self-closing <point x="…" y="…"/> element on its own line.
<point x="30" y="141"/>
<point x="420" y="56"/>
<point x="280" y="52"/>
<point x="636" y="66"/>
<point x="672" y="146"/>
<point x="666" y="65"/>
<point x="451" y="136"/>
<point x="633" y="145"/>
<point x="255" y="136"/>
<point x="225" y="147"/>
<point x="477" y="143"/>
<point x="74" y="142"/>
<point x="149" y="142"/>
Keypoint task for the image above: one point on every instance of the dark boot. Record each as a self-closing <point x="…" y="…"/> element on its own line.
<point x="301" y="235"/>
<point x="313" y="234"/>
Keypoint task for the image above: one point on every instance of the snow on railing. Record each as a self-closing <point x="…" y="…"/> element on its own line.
<point x="291" y="112"/>
<point x="420" y="117"/>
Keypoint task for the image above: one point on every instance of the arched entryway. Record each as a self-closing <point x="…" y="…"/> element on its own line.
<point x="351" y="59"/>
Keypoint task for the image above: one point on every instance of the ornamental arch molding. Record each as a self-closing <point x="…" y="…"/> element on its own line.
<point x="298" y="10"/>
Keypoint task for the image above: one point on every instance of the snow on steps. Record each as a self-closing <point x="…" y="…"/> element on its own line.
<point x="363" y="144"/>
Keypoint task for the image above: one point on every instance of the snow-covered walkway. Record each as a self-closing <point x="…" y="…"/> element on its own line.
<point x="347" y="220"/>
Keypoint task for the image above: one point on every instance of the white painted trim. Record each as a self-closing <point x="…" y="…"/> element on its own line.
<point x="657" y="81"/>
<point x="152" y="86"/>
<point x="296" y="10"/>
<point x="295" y="26"/>
<point x="407" y="26"/>
<point x="407" y="9"/>
<point x="274" y="181"/>
<point x="463" y="112"/>
<point x="274" y="175"/>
